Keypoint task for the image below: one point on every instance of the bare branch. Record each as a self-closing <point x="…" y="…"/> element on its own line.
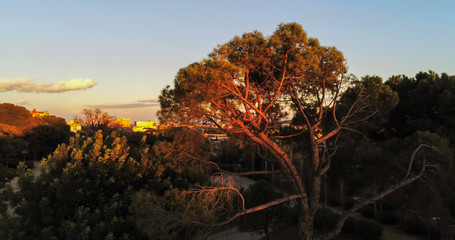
<point x="213" y="120"/>
<point x="283" y="77"/>
<point x="260" y="208"/>
<point x="358" y="105"/>
<point x="414" y="154"/>
<point x="204" y="196"/>
<point x="289" y="136"/>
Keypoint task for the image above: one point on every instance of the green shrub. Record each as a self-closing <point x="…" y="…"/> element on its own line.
<point x="6" y="174"/>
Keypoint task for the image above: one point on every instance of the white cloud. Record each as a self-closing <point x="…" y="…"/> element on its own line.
<point x="29" y="85"/>
<point x="73" y="84"/>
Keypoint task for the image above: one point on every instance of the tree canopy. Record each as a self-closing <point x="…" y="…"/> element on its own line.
<point x="253" y="83"/>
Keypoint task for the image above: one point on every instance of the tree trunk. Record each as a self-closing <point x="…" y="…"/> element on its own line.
<point x="325" y="190"/>
<point x="305" y="226"/>
<point x="292" y="175"/>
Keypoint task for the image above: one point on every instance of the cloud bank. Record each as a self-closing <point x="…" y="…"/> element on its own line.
<point x="149" y="101"/>
<point x="140" y="104"/>
<point x="30" y="86"/>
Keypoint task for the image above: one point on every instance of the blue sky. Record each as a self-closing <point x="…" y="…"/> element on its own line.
<point x="63" y="56"/>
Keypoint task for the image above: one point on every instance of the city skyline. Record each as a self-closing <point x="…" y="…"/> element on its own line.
<point x="65" y="56"/>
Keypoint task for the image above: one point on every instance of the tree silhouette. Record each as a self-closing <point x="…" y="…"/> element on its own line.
<point x="250" y="84"/>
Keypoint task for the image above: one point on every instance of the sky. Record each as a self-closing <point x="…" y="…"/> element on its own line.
<point x="63" y="56"/>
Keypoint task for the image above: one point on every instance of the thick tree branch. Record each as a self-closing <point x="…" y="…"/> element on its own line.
<point x="260" y="208"/>
<point x="289" y="136"/>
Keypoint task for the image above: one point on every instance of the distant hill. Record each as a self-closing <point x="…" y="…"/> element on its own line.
<point x="14" y="120"/>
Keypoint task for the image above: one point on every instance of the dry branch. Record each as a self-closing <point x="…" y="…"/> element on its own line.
<point x="260" y="208"/>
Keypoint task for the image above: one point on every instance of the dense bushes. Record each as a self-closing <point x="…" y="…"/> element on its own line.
<point x="86" y="187"/>
<point x="364" y="228"/>
<point x="326" y="219"/>
<point x="6" y="174"/>
<point x="415" y="225"/>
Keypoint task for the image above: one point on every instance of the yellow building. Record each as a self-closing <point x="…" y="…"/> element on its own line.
<point x="124" y="122"/>
<point x="142" y="126"/>
<point x="39" y="114"/>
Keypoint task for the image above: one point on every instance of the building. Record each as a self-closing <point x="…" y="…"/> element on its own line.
<point x="123" y="122"/>
<point x="39" y="114"/>
<point x="146" y="124"/>
<point x="142" y="126"/>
